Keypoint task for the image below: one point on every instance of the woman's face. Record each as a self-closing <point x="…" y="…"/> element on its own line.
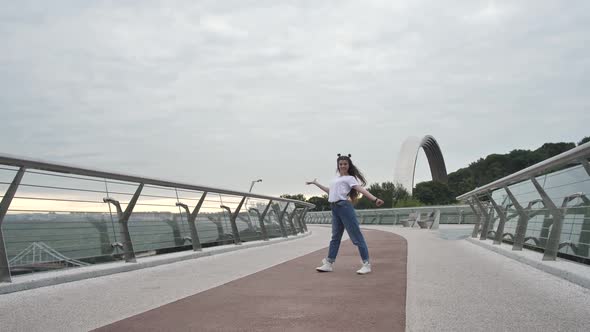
<point x="343" y="166"/>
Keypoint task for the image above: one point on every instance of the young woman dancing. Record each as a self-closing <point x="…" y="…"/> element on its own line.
<point x="343" y="192"/>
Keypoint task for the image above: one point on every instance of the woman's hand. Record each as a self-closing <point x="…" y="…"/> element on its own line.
<point x="315" y="181"/>
<point x="379" y="202"/>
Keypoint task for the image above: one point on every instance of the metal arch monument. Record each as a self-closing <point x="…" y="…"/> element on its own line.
<point x="406" y="161"/>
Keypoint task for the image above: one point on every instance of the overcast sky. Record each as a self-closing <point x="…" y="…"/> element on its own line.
<point x="223" y="92"/>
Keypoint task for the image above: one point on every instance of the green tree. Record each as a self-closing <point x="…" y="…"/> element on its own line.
<point x="298" y="197"/>
<point x="584" y="140"/>
<point x="549" y="150"/>
<point x="321" y="203"/>
<point x="387" y="191"/>
<point x="408" y="202"/>
<point x="433" y="193"/>
<point x="496" y="166"/>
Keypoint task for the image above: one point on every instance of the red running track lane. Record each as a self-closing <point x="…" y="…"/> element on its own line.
<point x="292" y="296"/>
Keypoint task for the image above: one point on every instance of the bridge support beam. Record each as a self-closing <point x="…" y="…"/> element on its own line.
<point x="191" y="218"/>
<point x="552" y="246"/>
<point x="477" y="219"/>
<point x="586" y="165"/>
<point x="261" y="219"/>
<point x="232" y="219"/>
<point x="502" y="215"/>
<point x="487" y="216"/>
<point x="281" y="215"/>
<point x="521" y="224"/>
<point x="4" y="205"/>
<point x="290" y="221"/>
<point x="123" y="217"/>
<point x="303" y="216"/>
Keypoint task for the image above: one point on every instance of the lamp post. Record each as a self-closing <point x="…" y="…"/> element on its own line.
<point x="252" y="184"/>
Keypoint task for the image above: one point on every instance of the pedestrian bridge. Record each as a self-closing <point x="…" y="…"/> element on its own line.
<point x="86" y="249"/>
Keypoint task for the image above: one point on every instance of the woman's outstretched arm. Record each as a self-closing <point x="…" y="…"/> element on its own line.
<point x="368" y="195"/>
<point x="315" y="181"/>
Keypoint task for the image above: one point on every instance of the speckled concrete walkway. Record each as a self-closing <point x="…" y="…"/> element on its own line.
<point x="455" y="285"/>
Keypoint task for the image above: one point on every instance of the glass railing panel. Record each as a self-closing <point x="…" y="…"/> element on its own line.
<point x="157" y="223"/>
<point x="537" y="230"/>
<point x="57" y="221"/>
<point x="247" y="228"/>
<point x="272" y="224"/>
<point x="259" y="205"/>
<point x="560" y="184"/>
<point x="448" y="215"/>
<point x="575" y="235"/>
<point x="245" y="231"/>
<point x="280" y="207"/>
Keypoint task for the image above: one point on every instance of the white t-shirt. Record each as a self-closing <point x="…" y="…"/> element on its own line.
<point x="340" y="187"/>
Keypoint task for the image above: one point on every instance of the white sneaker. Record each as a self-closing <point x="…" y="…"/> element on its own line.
<point x="366" y="268"/>
<point x="327" y="267"/>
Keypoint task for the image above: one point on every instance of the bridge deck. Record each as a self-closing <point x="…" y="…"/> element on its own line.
<point x="452" y="285"/>
<point x="293" y="297"/>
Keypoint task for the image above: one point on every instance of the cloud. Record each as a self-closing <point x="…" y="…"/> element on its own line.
<point x="218" y="93"/>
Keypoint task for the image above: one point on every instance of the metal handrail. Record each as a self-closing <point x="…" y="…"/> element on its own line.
<point x="553" y="225"/>
<point x="124" y="240"/>
<point x="573" y="155"/>
<point x="71" y="169"/>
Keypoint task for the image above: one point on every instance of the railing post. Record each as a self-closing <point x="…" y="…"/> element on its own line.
<point x="564" y="209"/>
<point x="234" y="227"/>
<point x="552" y="246"/>
<point x="297" y="216"/>
<point x="300" y="216"/>
<point x="4" y="205"/>
<point x="586" y="165"/>
<point x="436" y="221"/>
<point x="303" y="216"/>
<point x="290" y="221"/>
<point x="486" y="215"/>
<point x="460" y="219"/>
<point x="418" y="215"/>
<point x="191" y="220"/>
<point x="521" y="224"/>
<point x="477" y="218"/>
<point x="585" y="232"/>
<point x="502" y="215"/>
<point x="281" y="215"/>
<point x="123" y="217"/>
<point x="261" y="220"/>
<point x="232" y="220"/>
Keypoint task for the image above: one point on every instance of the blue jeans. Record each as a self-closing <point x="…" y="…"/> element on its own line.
<point x="344" y="217"/>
